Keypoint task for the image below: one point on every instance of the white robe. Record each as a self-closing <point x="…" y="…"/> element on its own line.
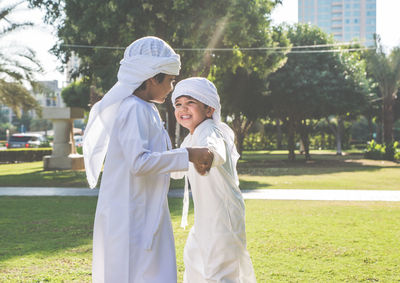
<point x="133" y="239"/>
<point x="215" y="250"/>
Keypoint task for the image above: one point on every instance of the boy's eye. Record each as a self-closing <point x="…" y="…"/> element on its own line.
<point x="177" y="104"/>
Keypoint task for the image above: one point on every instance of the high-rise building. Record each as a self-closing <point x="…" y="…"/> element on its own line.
<point x="345" y="19"/>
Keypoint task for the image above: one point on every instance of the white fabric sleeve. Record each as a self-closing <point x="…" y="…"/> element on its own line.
<point x="217" y="146"/>
<point x="134" y="135"/>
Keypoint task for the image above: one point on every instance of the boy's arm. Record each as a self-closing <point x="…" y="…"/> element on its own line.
<point x="202" y="159"/>
<point x="133" y="134"/>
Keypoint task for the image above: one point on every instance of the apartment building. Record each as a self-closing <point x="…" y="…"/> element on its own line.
<point x="346" y="19"/>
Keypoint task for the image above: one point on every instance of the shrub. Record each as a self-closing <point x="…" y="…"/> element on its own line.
<point x="256" y="141"/>
<point x="379" y="151"/>
<point x="23" y="155"/>
<point x="374" y="150"/>
<point x="396" y="147"/>
<point x="79" y="150"/>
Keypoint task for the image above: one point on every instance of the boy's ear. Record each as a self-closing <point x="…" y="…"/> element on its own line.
<point x="151" y="81"/>
<point x="210" y="112"/>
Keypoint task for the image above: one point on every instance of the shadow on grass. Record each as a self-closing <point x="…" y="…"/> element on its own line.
<point x="279" y="165"/>
<point x="67" y="178"/>
<point x="46" y="225"/>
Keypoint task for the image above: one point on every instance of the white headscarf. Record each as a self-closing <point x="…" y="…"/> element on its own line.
<point x="205" y="91"/>
<point x="143" y="59"/>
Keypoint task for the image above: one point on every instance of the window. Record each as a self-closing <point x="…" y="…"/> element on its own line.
<point x="371" y="13"/>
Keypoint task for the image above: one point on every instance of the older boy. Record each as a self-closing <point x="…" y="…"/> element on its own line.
<point x="133" y="239"/>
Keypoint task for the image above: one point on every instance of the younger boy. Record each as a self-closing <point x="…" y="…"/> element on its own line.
<point x="215" y="250"/>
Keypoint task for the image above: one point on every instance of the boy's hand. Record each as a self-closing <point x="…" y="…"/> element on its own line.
<point x="201" y="158"/>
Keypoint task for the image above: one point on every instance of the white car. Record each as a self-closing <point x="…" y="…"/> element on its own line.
<point x="26" y="140"/>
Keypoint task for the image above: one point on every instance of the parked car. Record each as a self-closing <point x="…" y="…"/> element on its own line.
<point x="78" y="140"/>
<point x="26" y="141"/>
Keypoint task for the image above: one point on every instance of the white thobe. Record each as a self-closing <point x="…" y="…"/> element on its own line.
<point x="215" y="250"/>
<point x="133" y="239"/>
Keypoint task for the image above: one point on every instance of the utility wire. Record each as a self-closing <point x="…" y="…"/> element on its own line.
<point x="275" y="49"/>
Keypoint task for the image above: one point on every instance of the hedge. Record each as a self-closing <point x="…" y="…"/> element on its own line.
<point x="23" y="155"/>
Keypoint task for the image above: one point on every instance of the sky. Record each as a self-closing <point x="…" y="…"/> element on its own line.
<point x="42" y="37"/>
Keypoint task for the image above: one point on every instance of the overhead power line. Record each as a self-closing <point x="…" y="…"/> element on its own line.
<point x="277" y="49"/>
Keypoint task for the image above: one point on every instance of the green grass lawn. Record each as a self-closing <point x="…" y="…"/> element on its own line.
<point x="49" y="239"/>
<point x="257" y="170"/>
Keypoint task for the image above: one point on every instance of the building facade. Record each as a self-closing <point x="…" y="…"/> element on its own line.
<point x="49" y="95"/>
<point x="347" y="20"/>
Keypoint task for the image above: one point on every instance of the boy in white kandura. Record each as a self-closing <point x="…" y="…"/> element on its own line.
<point x="215" y="250"/>
<point x="132" y="239"/>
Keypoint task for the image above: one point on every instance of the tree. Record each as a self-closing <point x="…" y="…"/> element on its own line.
<point x="17" y="65"/>
<point x="240" y="75"/>
<point x="77" y="94"/>
<point x="385" y="69"/>
<point x="312" y="85"/>
<point x="189" y="26"/>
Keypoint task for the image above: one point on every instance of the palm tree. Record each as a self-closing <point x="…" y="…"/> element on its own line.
<point x="17" y="65"/>
<point x="385" y="69"/>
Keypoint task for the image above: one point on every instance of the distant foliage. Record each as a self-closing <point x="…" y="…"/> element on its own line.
<point x="23" y="155"/>
<point x="378" y="151"/>
<point x="77" y="94"/>
<point x="257" y="141"/>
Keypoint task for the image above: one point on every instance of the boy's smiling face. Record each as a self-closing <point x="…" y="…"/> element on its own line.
<point x="190" y="112"/>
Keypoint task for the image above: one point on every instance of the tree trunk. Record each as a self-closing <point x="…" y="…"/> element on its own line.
<point x="291" y="142"/>
<point x="239" y="142"/>
<point x="170" y="120"/>
<point x="241" y="125"/>
<point x="323" y="142"/>
<point x="388" y="119"/>
<point x="338" y="133"/>
<point x="370" y="128"/>
<point x="379" y="132"/>
<point x="388" y="123"/>
<point x="305" y="140"/>
<point x="278" y="134"/>
<point x="93" y="96"/>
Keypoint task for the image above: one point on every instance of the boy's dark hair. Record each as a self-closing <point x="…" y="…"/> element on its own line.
<point x="159" y="77"/>
<point x="188" y="96"/>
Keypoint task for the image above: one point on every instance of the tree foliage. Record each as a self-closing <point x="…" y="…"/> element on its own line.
<point x="189" y="26"/>
<point x="77" y="94"/>
<point x="240" y="74"/>
<point x="385" y="69"/>
<point x="17" y="65"/>
<point x="312" y="85"/>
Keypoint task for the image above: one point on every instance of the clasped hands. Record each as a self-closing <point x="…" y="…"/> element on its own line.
<point x="201" y="158"/>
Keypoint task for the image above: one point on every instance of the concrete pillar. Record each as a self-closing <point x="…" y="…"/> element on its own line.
<point x="62" y="157"/>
